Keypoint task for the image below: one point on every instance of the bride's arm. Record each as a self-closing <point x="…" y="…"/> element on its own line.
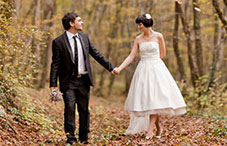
<point x="162" y="47"/>
<point x="131" y="56"/>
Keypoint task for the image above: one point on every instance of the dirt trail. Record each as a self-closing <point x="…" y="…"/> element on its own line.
<point x="108" y="124"/>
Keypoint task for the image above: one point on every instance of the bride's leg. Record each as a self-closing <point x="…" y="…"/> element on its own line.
<point x="158" y="126"/>
<point x="151" y="126"/>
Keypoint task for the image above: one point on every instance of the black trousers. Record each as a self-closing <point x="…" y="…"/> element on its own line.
<point x="77" y="94"/>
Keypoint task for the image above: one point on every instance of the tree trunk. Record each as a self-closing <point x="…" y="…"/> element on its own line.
<point x="186" y="4"/>
<point x="35" y="42"/>
<point x="219" y="43"/>
<point x="17" y="7"/>
<point x="198" y="42"/>
<point x="117" y="51"/>
<point x="37" y="24"/>
<point x="219" y="12"/>
<point x="129" y="71"/>
<point x="73" y="5"/>
<point x="216" y="56"/>
<point x="221" y="65"/>
<point x="31" y="9"/>
<point x="97" y="19"/>
<point x="175" y="46"/>
<point x="93" y="30"/>
<point x="50" y="12"/>
<point x="216" y="30"/>
<point x="192" y="64"/>
<point x="142" y="6"/>
<point x="99" y="90"/>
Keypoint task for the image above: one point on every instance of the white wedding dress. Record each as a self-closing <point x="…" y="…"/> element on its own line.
<point x="153" y="90"/>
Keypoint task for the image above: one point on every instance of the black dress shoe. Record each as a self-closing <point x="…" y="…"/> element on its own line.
<point x="68" y="144"/>
<point x="84" y="141"/>
<point x="71" y="140"/>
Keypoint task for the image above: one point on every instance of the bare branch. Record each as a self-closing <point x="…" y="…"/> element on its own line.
<point x="219" y="12"/>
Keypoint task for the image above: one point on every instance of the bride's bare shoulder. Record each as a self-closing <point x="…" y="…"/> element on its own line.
<point x="138" y="38"/>
<point x="158" y="34"/>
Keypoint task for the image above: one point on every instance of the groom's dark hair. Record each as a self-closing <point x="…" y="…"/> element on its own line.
<point x="146" y="19"/>
<point x="68" y="17"/>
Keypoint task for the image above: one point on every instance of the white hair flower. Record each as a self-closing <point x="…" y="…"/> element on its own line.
<point x="148" y="16"/>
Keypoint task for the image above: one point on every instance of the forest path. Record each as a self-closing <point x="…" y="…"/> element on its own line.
<point x="107" y="126"/>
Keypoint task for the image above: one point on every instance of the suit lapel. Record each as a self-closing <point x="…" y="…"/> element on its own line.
<point x="83" y="45"/>
<point x="66" y="40"/>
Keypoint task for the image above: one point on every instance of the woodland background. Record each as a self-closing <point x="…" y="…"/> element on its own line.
<point x="194" y="32"/>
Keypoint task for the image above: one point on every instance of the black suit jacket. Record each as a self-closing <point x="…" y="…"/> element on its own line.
<point x="63" y="63"/>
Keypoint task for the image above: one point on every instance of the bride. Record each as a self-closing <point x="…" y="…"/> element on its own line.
<point x="153" y="91"/>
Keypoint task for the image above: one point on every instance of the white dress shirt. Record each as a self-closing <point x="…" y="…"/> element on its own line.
<point x="81" y="63"/>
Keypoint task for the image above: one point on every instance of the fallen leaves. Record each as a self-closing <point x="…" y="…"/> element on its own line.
<point x="107" y="127"/>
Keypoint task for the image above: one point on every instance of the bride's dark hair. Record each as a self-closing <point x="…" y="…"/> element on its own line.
<point x="146" y="19"/>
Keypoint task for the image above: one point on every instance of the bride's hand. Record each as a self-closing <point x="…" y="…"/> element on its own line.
<point x="116" y="71"/>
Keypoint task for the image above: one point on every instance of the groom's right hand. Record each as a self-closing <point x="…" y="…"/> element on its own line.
<point x="53" y="88"/>
<point x="55" y="95"/>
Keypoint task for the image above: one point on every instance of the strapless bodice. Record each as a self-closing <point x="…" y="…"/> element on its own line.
<point x="149" y="50"/>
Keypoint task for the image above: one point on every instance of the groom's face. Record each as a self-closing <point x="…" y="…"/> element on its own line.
<point x="77" y="24"/>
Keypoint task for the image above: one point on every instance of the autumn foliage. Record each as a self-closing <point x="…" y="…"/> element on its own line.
<point x="195" y="37"/>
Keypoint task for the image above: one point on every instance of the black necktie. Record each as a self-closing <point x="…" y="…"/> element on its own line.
<point x="75" y="57"/>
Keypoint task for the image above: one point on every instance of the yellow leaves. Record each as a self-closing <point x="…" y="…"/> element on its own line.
<point x="2" y="111"/>
<point x="50" y="20"/>
<point x="205" y="1"/>
<point x="2" y="3"/>
<point x="108" y="2"/>
<point x="108" y="122"/>
<point x="16" y="59"/>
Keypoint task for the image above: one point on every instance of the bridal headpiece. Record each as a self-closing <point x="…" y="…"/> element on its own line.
<point x="148" y="16"/>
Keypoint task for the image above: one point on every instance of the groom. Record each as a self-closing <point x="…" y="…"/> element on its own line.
<point x="70" y="63"/>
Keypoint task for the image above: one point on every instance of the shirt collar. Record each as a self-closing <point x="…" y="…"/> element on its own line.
<point x="70" y="35"/>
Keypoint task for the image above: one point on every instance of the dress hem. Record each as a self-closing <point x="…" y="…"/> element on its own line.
<point x="163" y="111"/>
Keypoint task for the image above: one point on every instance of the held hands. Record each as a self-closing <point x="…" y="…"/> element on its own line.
<point x="116" y="71"/>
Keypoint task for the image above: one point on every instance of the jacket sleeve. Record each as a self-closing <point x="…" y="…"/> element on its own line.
<point x="55" y="65"/>
<point x="99" y="57"/>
